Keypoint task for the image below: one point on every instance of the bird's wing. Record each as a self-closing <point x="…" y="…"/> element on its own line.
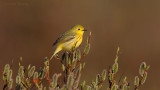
<point x="66" y="36"/>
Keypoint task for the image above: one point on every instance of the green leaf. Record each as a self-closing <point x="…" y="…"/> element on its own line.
<point x="124" y="87"/>
<point x="76" y="83"/>
<point x="147" y="68"/>
<point x="21" y="71"/>
<point x="75" y="86"/>
<point x="18" y="80"/>
<point x="63" y="67"/>
<point x="54" y="81"/>
<point x="114" y="87"/>
<point x="104" y="75"/>
<point x="41" y="73"/>
<point x="6" y="69"/>
<point x="10" y="84"/>
<point x="144" y="78"/>
<point x="35" y="75"/>
<point x="110" y="76"/>
<point x="88" y="38"/>
<point x="28" y="83"/>
<point x="31" y="71"/>
<point x="4" y="78"/>
<point x="73" y="64"/>
<point x="70" y="81"/>
<point x="136" y="81"/>
<point x="29" y="66"/>
<point x="100" y="86"/>
<point x="125" y="78"/>
<point x="98" y="79"/>
<point x="83" y="84"/>
<point x="142" y="68"/>
<point x="78" y="55"/>
<point x="9" y="75"/>
<point x="44" y="88"/>
<point x="87" y="88"/>
<point x="115" y="67"/>
<point x="86" y="50"/>
<point x="93" y="84"/>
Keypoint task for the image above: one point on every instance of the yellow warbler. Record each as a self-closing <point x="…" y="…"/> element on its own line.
<point x="69" y="39"/>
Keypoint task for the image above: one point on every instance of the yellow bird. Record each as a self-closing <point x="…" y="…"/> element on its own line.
<point x="69" y="39"/>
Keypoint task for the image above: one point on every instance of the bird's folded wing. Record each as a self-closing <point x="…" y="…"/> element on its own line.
<point x="64" y="38"/>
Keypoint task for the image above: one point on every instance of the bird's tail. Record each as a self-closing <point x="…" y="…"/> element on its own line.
<point x="56" y="51"/>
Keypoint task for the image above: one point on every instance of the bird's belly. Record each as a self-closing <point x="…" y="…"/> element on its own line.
<point x="79" y="42"/>
<point x="72" y="43"/>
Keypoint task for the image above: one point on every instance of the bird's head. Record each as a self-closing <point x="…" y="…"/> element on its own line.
<point x="78" y="29"/>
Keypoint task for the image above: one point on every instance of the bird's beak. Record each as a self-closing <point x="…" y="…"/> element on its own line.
<point x="84" y="30"/>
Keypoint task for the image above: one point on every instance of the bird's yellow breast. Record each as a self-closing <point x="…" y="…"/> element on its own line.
<point x="72" y="43"/>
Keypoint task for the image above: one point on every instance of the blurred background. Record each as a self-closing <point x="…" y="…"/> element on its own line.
<point x="28" y="28"/>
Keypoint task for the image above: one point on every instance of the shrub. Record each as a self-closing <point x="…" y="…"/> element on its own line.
<point x="72" y="67"/>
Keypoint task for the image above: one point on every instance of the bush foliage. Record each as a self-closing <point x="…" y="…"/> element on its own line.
<point x="72" y="66"/>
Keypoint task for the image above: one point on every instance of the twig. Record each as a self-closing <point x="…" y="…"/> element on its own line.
<point x="109" y="81"/>
<point x="82" y="57"/>
<point x="120" y="78"/>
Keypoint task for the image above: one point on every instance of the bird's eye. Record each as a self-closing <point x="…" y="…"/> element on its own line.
<point x="78" y="29"/>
